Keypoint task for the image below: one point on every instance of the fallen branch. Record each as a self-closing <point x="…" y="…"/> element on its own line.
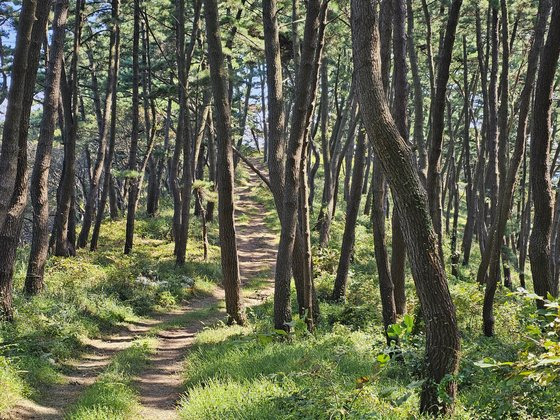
<point x="253" y="168"/>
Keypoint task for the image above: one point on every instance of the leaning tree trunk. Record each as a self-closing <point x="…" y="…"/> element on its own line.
<point x="14" y="111"/>
<point x="305" y="88"/>
<point x="132" y="166"/>
<point x="442" y="335"/>
<point x="228" y="241"/>
<point x="400" y="106"/>
<point x="353" y="208"/>
<point x="64" y="224"/>
<point x="276" y="157"/>
<point x="491" y="257"/>
<point x="91" y="199"/>
<point x="40" y="178"/>
<point x="438" y="114"/>
<point x="539" y="245"/>
<point x="107" y="179"/>
<point x="11" y="229"/>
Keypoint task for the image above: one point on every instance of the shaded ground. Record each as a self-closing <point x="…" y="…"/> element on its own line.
<point x="160" y="385"/>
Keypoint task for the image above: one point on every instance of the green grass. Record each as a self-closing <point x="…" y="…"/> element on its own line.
<point x="250" y="373"/>
<point x="113" y="396"/>
<point x="94" y="294"/>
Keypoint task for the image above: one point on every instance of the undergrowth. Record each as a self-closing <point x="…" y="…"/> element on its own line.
<point x="93" y="294"/>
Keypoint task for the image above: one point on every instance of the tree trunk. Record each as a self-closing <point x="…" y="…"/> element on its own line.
<point x="226" y="206"/>
<point x="442" y="336"/>
<point x="14" y="111"/>
<point x="91" y="199"/>
<point x="107" y="183"/>
<point x="132" y="166"/>
<point x="11" y="229"/>
<point x="39" y="179"/>
<point x="491" y="257"/>
<point x="438" y="113"/>
<point x="354" y="198"/>
<point x="539" y="245"/>
<point x="305" y="87"/>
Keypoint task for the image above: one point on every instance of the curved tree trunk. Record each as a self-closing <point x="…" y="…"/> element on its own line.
<point x="539" y="245"/>
<point x="438" y="113"/>
<point x="354" y="198"/>
<point x="228" y="242"/>
<point x="491" y="257"/>
<point x="39" y="179"/>
<point x="442" y="335"/>
<point x="11" y="229"/>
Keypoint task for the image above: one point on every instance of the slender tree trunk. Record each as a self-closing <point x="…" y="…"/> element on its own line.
<point x="14" y="111"/>
<point x="539" y="245"/>
<point x="107" y="185"/>
<point x="276" y="134"/>
<point x="442" y="335"/>
<point x="91" y="199"/>
<point x="437" y="122"/>
<point x="400" y="106"/>
<point x="132" y="166"/>
<point x="34" y="282"/>
<point x="491" y="257"/>
<point x="11" y="229"/>
<point x="353" y="208"/>
<point x="228" y="242"/>
<point x="305" y="87"/>
<point x="470" y="187"/>
<point x="64" y="232"/>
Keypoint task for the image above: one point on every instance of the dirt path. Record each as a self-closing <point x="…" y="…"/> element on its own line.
<point x="160" y="385"/>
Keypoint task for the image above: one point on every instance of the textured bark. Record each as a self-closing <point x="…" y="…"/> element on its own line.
<point x="64" y="231"/>
<point x="442" y="336"/>
<point x="491" y="181"/>
<point x="34" y="282"/>
<point x="305" y="88"/>
<point x="226" y="206"/>
<point x="433" y="182"/>
<point x="91" y="199"/>
<point x="107" y="187"/>
<point x="539" y="245"/>
<point x="352" y="210"/>
<point x="12" y="121"/>
<point x="11" y="229"/>
<point x="418" y="130"/>
<point x="400" y="110"/>
<point x="276" y="157"/>
<point x="470" y="187"/>
<point x="133" y="153"/>
<point x="491" y="258"/>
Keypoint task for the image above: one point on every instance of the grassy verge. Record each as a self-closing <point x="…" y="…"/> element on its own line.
<point x="112" y="395"/>
<point x="93" y="294"/>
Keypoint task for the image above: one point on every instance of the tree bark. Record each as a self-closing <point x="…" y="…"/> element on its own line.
<point x="107" y="184"/>
<point x="491" y="258"/>
<point x="539" y="245"/>
<point x="438" y="113"/>
<point x="442" y="336"/>
<point x="34" y="281"/>
<point x="132" y="165"/>
<point x="64" y="232"/>
<point x="14" y="111"/>
<point x="226" y="206"/>
<point x="354" y="198"/>
<point x="305" y="88"/>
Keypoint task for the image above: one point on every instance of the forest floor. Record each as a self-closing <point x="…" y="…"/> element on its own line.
<point x="159" y="383"/>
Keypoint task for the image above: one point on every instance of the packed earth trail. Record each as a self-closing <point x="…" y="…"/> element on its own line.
<point x="159" y="385"/>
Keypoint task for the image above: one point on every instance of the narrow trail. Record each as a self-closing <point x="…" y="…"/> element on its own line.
<point x="160" y="384"/>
